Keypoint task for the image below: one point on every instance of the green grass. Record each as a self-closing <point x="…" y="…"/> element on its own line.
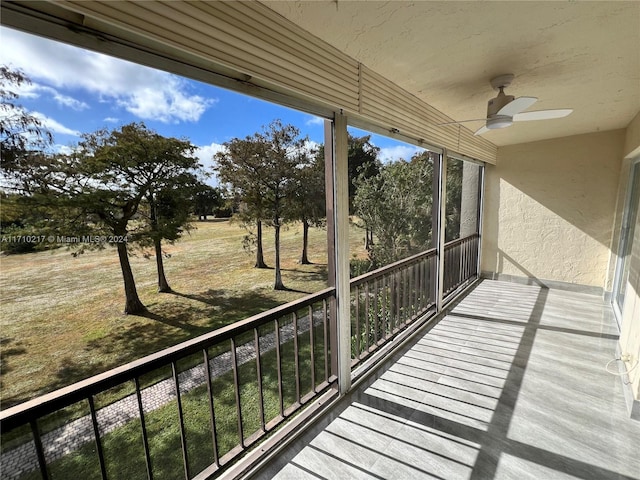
<point x="123" y="447"/>
<point x="61" y="317"/>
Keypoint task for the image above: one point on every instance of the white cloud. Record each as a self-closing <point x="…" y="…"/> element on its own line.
<point x="168" y="105"/>
<point x="54" y="126"/>
<point x="391" y="154"/>
<point x="67" y="101"/>
<point x="147" y="93"/>
<point x="35" y="90"/>
<point x="25" y="90"/>
<point x="205" y="154"/>
<point x="63" y="149"/>
<point x="315" y="121"/>
<point x="111" y="120"/>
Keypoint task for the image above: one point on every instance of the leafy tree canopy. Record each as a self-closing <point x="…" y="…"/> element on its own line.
<point x="396" y="206"/>
<point x="108" y="183"/>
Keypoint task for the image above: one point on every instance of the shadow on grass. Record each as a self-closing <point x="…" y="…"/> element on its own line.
<point x="7" y="350"/>
<point x="231" y="307"/>
<point x="287" y="289"/>
<point x="167" y="323"/>
<point x="177" y="321"/>
<point x="318" y="274"/>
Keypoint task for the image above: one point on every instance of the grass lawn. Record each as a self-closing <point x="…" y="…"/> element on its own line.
<point x="123" y="447"/>
<point x="61" y="317"/>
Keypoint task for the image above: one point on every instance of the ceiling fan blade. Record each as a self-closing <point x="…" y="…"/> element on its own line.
<point x="516" y="106"/>
<point x="481" y="130"/>
<point x="542" y="114"/>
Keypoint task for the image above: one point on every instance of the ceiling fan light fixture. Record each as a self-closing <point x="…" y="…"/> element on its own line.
<point x="499" y="122"/>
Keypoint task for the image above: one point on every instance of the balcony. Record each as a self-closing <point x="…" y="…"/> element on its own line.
<point x="509" y="384"/>
<point x="401" y="373"/>
<point x="197" y="408"/>
<point x="508" y="380"/>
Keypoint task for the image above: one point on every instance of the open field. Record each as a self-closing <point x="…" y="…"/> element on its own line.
<point x="61" y="317"/>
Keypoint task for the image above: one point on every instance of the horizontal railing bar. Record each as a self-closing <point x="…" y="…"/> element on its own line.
<point x="20" y="414"/>
<point x="459" y="241"/>
<point x="392" y="266"/>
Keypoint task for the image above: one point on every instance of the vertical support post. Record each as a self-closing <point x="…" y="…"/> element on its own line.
<point x="441" y="222"/>
<point x="37" y="440"/>
<point x="143" y="426"/>
<point x="312" y="347"/>
<point x="183" y="435"/>
<point x="340" y="241"/>
<point x="212" y="416"/>
<point x="482" y="169"/>
<point x="96" y="433"/>
<point x="330" y="188"/>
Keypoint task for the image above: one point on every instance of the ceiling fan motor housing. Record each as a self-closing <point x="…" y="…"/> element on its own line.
<point x="495" y="104"/>
<point x="494" y="120"/>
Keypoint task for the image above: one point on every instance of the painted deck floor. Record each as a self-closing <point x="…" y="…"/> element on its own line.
<point x="511" y="384"/>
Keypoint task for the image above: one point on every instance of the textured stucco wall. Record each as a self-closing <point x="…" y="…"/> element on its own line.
<point x="549" y="208"/>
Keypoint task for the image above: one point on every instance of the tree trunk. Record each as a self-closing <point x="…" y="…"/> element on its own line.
<point x="259" y="255"/>
<point x="304" y="260"/>
<point x="133" y="305"/>
<point x="278" y="283"/>
<point x="368" y="239"/>
<point x="163" y="285"/>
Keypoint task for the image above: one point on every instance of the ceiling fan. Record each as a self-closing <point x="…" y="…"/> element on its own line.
<point x="503" y="110"/>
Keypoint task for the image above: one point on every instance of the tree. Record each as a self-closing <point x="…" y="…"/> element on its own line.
<point x="23" y="225"/>
<point x="454" y="199"/>
<point x="396" y="206"/>
<point x="107" y="181"/>
<point x="362" y="163"/>
<point x="262" y="169"/>
<point x="239" y="167"/>
<point x="160" y="168"/>
<point x="20" y="131"/>
<point x="168" y="216"/>
<point x="207" y="200"/>
<point x="362" y="158"/>
<point x="308" y="201"/>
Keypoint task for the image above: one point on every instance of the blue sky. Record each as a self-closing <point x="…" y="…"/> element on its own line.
<point x="77" y="91"/>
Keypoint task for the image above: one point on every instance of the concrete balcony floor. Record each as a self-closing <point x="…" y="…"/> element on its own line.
<point x="511" y="384"/>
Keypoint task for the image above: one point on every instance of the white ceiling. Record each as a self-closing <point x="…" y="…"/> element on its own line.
<point x="580" y="55"/>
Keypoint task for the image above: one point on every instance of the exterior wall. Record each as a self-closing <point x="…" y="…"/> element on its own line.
<point x="549" y="208"/>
